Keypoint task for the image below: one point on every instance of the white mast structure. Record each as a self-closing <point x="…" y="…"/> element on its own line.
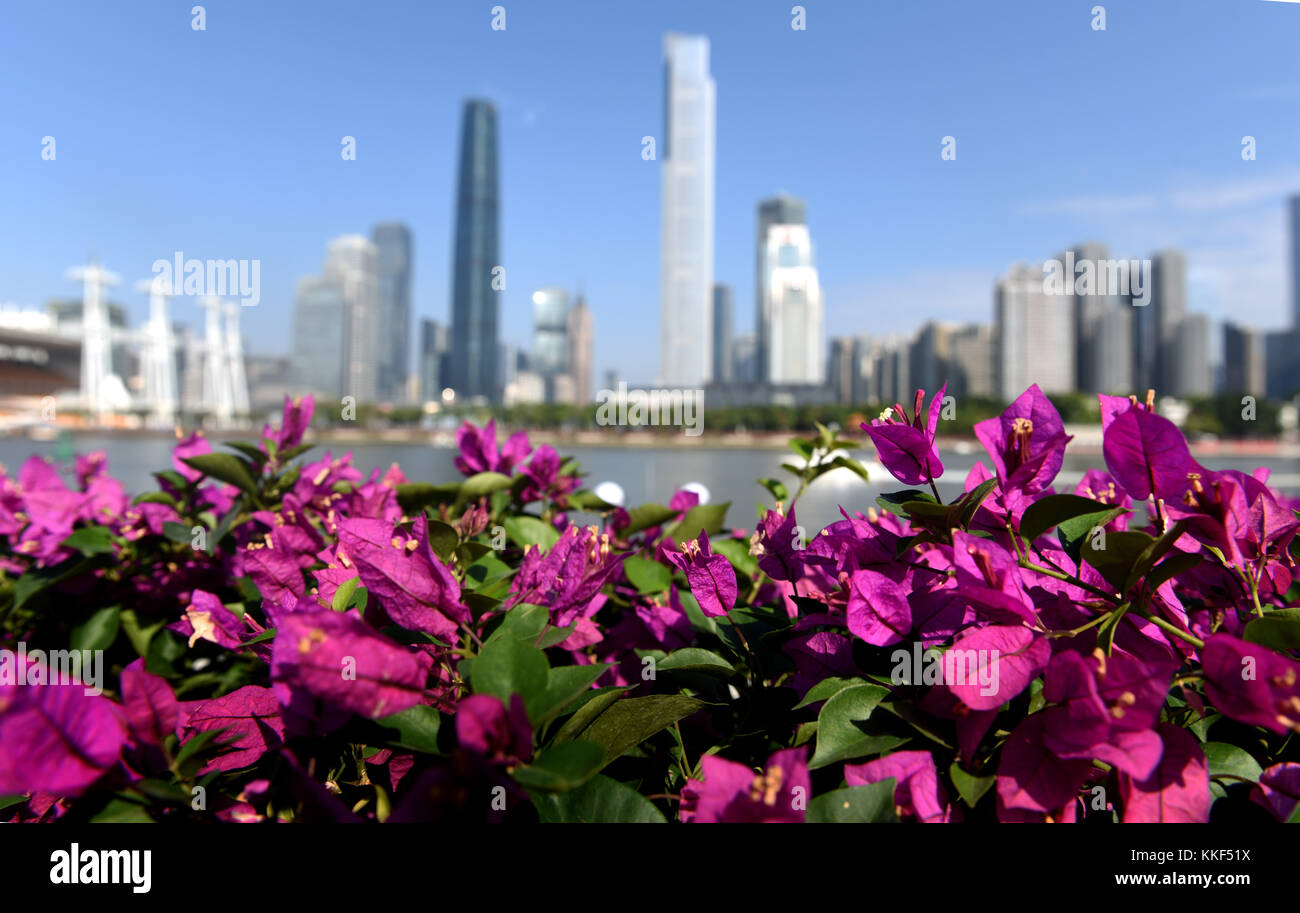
<point x="96" y="347"/>
<point x="159" y="360"/>
<point x="235" y="360"/>
<point x="218" y="400"/>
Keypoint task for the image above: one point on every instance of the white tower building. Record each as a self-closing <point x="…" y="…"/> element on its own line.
<point x="235" y="360"/>
<point x="159" y="355"/>
<point x="96" y="346"/>
<point x="218" y="398"/>
<point x="793" y="309"/>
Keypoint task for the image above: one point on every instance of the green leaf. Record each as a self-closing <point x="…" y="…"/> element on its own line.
<point x="870" y="804"/>
<point x="154" y="497"/>
<point x="481" y="484"/>
<point x="178" y="532"/>
<point x="826" y="689"/>
<point x="443" y="539"/>
<point x="524" y="622"/>
<point x="120" y="810"/>
<point x="737" y="552"/>
<point x="893" y="501"/>
<point x="138" y="633"/>
<point x="646" y="575"/>
<point x="838" y="735"/>
<point x="415" y="496"/>
<point x="706" y="517"/>
<point x="416" y="728"/>
<point x="33" y="582"/>
<point x="343" y="595"/>
<point x="776" y="488"/>
<point x="627" y="723"/>
<point x="1071" y="533"/>
<point x="852" y="465"/>
<point x="564" y="685"/>
<point x="600" y="800"/>
<point x="970" y="787"/>
<point x="1153" y="553"/>
<point x="1053" y="510"/>
<point x="1232" y="763"/>
<point x="644" y="516"/>
<point x="587" y="500"/>
<point x="1279" y="629"/>
<point x="224" y="467"/>
<point x="1121" y="552"/>
<point x="91" y="540"/>
<point x="507" y="666"/>
<point x="562" y="767"/>
<point x="594" y="706"/>
<point x="252" y="451"/>
<point x="98" y="631"/>
<point x="694" y="659"/>
<point x="525" y="530"/>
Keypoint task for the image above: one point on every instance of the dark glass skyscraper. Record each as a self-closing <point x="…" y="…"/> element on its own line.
<point x="393" y="240"/>
<point x="476" y="256"/>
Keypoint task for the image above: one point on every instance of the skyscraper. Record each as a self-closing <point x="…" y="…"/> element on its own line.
<point x="1244" y="369"/>
<point x="319" y="336"/>
<point x="550" y="355"/>
<point x="1091" y="304"/>
<point x="476" y="258"/>
<point x="393" y="241"/>
<point x="1035" y="335"/>
<point x="1169" y="304"/>
<point x="433" y="359"/>
<point x="782" y="209"/>
<point x="580" y="354"/>
<point x="792" y="308"/>
<point x="1188" y="358"/>
<point x="721" y="333"/>
<point x="352" y="265"/>
<point x="686" y="240"/>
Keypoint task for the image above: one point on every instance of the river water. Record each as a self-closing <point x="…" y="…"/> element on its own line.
<point x="645" y="474"/>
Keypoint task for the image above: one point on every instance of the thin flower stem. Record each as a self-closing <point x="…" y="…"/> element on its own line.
<point x="1175" y="632"/>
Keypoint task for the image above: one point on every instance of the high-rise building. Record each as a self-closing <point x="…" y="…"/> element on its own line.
<point x="686" y="242"/>
<point x="744" y="358"/>
<point x="581" y="339"/>
<point x="1035" y="335"/>
<point x="792" y="312"/>
<point x="781" y="209"/>
<point x="352" y="264"/>
<point x="1244" y="365"/>
<point x="840" y="370"/>
<point x="434" y="346"/>
<point x="866" y="380"/>
<point x="476" y="261"/>
<point x="1294" y="206"/>
<point x="721" y="333"/>
<point x="1169" y="304"/>
<point x="550" y="355"/>
<point x="1092" y="301"/>
<point x="1113" y="356"/>
<point x="1187" y="358"/>
<point x="320" y="320"/>
<point x="1282" y="363"/>
<point x="393" y="242"/>
<point x="973" y="370"/>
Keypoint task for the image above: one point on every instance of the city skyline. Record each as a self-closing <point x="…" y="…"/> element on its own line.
<point x="1181" y="183"/>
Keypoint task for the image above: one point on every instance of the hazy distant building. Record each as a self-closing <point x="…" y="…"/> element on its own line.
<point x="792" y="311"/>
<point x="320" y="320"/>
<point x="782" y="209"/>
<point x="1169" y="305"/>
<point x="435" y="341"/>
<point x="1113" y="357"/>
<point x="930" y="360"/>
<point x="744" y="358"/>
<point x="1035" y="335"/>
<point x="1244" y="366"/>
<point x="721" y="333"/>
<point x="1146" y="338"/>
<point x="476" y="260"/>
<point x="866" y="380"/>
<point x="580" y="359"/>
<point x="840" y="369"/>
<point x="1282" y="363"/>
<point x="973" y="370"/>
<point x="392" y="241"/>
<point x="1189" y="363"/>
<point x="550" y="354"/>
<point x="352" y="266"/>
<point x="1092" y="302"/>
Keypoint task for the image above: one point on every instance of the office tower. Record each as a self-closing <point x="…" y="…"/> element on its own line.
<point x="840" y="370"/>
<point x="581" y="339"/>
<point x="1113" y="355"/>
<point x="1244" y="365"/>
<point x="744" y="358"/>
<point x="973" y="371"/>
<point x="1295" y="261"/>
<point x="1169" y="304"/>
<point x="792" y="311"/>
<point x="476" y="259"/>
<point x="686" y="243"/>
<point x="1282" y="363"/>
<point x="320" y="321"/>
<point x="351" y="263"/>
<point x="782" y="209"/>
<point x="893" y="367"/>
<point x="510" y="361"/>
<point x="434" y="339"/>
<point x="866" y="381"/>
<point x="1087" y="273"/>
<point x="1035" y="335"/>
<point x="550" y="355"/>
<point x="393" y="242"/>
<point x="1188" y="358"/>
<point x="1145" y="373"/>
<point x="721" y="333"/>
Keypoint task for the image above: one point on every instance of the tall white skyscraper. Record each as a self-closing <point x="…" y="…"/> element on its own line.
<point x="792" y="308"/>
<point x="1035" y="335"/>
<point x="686" y="151"/>
<point x="353" y="265"/>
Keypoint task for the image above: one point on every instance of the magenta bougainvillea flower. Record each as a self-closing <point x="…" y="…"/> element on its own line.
<point x="878" y="609"/>
<point x="1026" y="443"/>
<point x="1178" y="789"/>
<point x="489" y="729"/>
<point x="917" y="793"/>
<point x="568" y="577"/>
<point x="733" y="793"/>
<point x="293" y="424"/>
<point x="711" y="577"/>
<point x="906" y="445"/>
<point x="479" y="453"/>
<point x="1278" y="789"/>
<point x="545" y="481"/>
<point x="149" y="704"/>
<point x="249" y="723"/>
<point x="1252" y="684"/>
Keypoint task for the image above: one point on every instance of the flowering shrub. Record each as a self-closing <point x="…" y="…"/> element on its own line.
<point x="267" y="637"/>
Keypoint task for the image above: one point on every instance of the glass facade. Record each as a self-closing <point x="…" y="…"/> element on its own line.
<point x="319" y="336"/>
<point x="393" y="241"/>
<point x="474" y="302"/>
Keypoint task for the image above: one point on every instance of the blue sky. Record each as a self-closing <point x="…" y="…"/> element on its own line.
<point x="225" y="143"/>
